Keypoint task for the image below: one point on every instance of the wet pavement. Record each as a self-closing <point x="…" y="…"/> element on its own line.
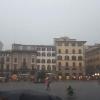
<point x="84" y="90"/>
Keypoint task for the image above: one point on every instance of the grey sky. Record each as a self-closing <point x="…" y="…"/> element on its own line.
<point x="39" y="21"/>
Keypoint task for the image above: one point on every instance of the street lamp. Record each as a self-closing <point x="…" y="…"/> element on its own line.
<point x="97" y="75"/>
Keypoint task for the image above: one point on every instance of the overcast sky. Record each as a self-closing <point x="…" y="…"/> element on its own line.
<point x="39" y="21"/>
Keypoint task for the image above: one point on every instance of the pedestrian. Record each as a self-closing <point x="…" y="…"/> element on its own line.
<point x="47" y="83"/>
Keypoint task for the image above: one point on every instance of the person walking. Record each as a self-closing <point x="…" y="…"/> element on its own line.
<point x="47" y="83"/>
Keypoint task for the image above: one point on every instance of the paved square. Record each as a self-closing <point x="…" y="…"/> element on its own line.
<point x="84" y="90"/>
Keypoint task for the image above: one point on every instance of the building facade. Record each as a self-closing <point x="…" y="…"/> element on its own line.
<point x="45" y="55"/>
<point x="70" y="56"/>
<point x="93" y="59"/>
<point x="16" y="61"/>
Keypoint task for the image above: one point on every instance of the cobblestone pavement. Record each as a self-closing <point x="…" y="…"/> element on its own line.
<point x="84" y="90"/>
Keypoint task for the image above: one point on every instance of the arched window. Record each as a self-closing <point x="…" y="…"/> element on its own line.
<point x="43" y="61"/>
<point x="74" y="66"/>
<point x="80" y="66"/>
<point x="53" y="67"/>
<point x="48" y="61"/>
<point x="43" y="54"/>
<point x="38" y="60"/>
<point x="66" y="51"/>
<point x="33" y="67"/>
<point x="43" y="67"/>
<point x="73" y="57"/>
<point x="38" y="67"/>
<point x="67" y="64"/>
<point x="48" y="54"/>
<point x="59" y="51"/>
<point x="66" y="57"/>
<point x="80" y="51"/>
<point x="49" y="68"/>
<point x="38" y="54"/>
<point x="59" y="57"/>
<point x="73" y="51"/>
<point x="79" y="57"/>
<point x="53" y="61"/>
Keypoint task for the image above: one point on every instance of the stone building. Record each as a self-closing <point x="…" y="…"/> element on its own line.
<point x="93" y="59"/>
<point x="16" y="60"/>
<point x="70" y="56"/>
<point x="45" y="55"/>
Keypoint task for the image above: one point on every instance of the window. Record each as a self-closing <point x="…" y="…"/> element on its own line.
<point x="48" y="61"/>
<point x="43" y="67"/>
<point x="74" y="68"/>
<point x="80" y="51"/>
<point x="73" y="57"/>
<point x="73" y="44"/>
<point x="24" y="59"/>
<point x="7" y="59"/>
<point x="43" y="61"/>
<point x="53" y="54"/>
<point x="66" y="57"/>
<point x="66" y="44"/>
<point x="59" y="63"/>
<point x="80" y="44"/>
<point x="53" y="61"/>
<point x="32" y="66"/>
<point x="7" y="67"/>
<point x="48" y="49"/>
<point x="38" y="54"/>
<point x="32" y="60"/>
<point x="15" y="60"/>
<point x="59" y="43"/>
<point x="38" y="49"/>
<point x="80" y="66"/>
<point x="2" y="60"/>
<point x="59" y="57"/>
<point x="59" y="51"/>
<point x="53" y="67"/>
<point x="66" y="68"/>
<point x="49" y="68"/>
<point x="43" y="54"/>
<point x="15" y="67"/>
<point x="53" y="49"/>
<point x="48" y="54"/>
<point x="73" y="64"/>
<point x="66" y="51"/>
<point x="79" y="57"/>
<point x="43" y="49"/>
<point x="38" y="60"/>
<point x="67" y="64"/>
<point x="38" y="67"/>
<point x="73" y="51"/>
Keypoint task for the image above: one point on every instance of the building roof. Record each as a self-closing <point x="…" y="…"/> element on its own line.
<point x="33" y="45"/>
<point x="93" y="48"/>
<point x="18" y="51"/>
<point x="67" y="39"/>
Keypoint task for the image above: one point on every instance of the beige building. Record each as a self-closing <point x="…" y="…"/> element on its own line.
<point x="70" y="56"/>
<point x="93" y="59"/>
<point x="15" y="60"/>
